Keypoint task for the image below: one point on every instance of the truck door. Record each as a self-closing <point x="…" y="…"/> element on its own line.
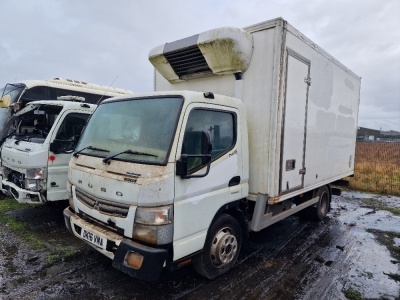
<point x="63" y="141"/>
<point x="294" y="123"/>
<point x="197" y="199"/>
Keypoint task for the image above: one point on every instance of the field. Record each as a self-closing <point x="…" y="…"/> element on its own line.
<point x="377" y="168"/>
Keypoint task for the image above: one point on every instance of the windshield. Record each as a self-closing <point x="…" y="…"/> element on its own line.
<point x="34" y="125"/>
<point x="139" y="130"/>
<point x="14" y="90"/>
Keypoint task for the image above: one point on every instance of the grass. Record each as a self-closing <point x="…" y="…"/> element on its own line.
<point x="377" y="205"/>
<point x="8" y="223"/>
<point x="377" y="168"/>
<point x="59" y="254"/>
<point x="16" y="225"/>
<point x="395" y="277"/>
<point x="352" y="294"/>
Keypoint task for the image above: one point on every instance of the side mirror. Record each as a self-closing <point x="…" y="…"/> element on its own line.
<point x="196" y="154"/>
<point x="54" y="147"/>
<point x="62" y="146"/>
<point x="5" y="101"/>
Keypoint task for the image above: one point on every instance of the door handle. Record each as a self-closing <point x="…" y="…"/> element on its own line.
<point x="234" y="181"/>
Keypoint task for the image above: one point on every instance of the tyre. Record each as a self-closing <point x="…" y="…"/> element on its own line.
<point x="322" y="209"/>
<point x="318" y="212"/>
<point x="221" y="248"/>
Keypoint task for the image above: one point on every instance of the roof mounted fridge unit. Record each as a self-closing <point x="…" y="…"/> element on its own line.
<point x="219" y="51"/>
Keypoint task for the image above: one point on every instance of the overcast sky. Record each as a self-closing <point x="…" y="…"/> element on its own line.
<point x="107" y="42"/>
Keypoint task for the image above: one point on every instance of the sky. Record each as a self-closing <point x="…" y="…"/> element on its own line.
<point x="107" y="42"/>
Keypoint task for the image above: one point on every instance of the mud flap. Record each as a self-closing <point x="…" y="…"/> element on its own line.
<point x="153" y="260"/>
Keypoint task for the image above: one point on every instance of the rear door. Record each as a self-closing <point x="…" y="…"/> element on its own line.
<point x="294" y="123"/>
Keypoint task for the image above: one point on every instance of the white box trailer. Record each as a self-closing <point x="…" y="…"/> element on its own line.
<point x="246" y="127"/>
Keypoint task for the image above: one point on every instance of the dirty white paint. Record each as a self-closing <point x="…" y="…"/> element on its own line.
<point x="27" y="155"/>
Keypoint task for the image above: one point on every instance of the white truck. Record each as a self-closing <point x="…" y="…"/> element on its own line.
<point x="246" y="127"/>
<point x="40" y="142"/>
<point x="14" y="96"/>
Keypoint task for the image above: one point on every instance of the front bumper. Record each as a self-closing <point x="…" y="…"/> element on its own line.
<point x="117" y="248"/>
<point x="21" y="195"/>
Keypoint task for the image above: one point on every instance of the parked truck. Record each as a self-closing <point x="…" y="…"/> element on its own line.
<point x="38" y="147"/>
<point x="246" y="127"/>
<point x="14" y="96"/>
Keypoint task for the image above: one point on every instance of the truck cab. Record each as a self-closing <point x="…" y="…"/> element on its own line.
<point x="157" y="176"/>
<point x="37" y="149"/>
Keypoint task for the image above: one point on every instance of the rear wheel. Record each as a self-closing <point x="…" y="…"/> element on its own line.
<point x="318" y="212"/>
<point x="221" y="248"/>
<point x="322" y="209"/>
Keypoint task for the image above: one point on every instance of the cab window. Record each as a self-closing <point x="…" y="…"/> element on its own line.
<point x="219" y="125"/>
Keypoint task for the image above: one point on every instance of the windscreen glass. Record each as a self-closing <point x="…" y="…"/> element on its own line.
<point x="137" y="130"/>
<point x="34" y="125"/>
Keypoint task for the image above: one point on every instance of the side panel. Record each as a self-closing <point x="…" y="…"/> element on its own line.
<point x="333" y="101"/>
<point x="294" y="128"/>
<point x="260" y="93"/>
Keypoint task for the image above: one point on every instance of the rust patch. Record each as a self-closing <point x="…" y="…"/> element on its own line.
<point x="274" y="200"/>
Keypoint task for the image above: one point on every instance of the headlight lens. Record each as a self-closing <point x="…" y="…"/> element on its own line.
<point x="38" y="173"/>
<point x="156" y="235"/>
<point x="154" y="215"/>
<point x="154" y="225"/>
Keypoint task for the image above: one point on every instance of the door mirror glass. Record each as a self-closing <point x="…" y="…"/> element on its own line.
<point x="196" y="154"/>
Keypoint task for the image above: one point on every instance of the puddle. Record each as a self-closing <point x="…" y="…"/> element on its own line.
<point x="349" y="212"/>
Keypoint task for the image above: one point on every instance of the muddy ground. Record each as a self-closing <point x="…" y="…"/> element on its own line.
<point x="353" y="254"/>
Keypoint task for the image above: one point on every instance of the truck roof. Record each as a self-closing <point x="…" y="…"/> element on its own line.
<point x="65" y="104"/>
<point x="188" y="96"/>
<point x="70" y="84"/>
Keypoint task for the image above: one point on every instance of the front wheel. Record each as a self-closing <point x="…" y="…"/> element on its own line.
<point x="221" y="248"/>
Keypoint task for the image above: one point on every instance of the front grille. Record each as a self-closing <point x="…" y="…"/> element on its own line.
<point x="105" y="206"/>
<point x="17" y="178"/>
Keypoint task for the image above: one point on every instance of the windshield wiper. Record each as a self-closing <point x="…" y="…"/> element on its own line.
<point x="129" y="151"/>
<point x="90" y="148"/>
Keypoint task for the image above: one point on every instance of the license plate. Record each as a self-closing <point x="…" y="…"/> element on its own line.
<point x="93" y="238"/>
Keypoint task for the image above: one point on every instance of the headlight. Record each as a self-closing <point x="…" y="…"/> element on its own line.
<point x="38" y="173"/>
<point x="154" y="215"/>
<point x="154" y="225"/>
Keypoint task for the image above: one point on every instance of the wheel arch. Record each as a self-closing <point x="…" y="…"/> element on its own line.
<point x="235" y="209"/>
